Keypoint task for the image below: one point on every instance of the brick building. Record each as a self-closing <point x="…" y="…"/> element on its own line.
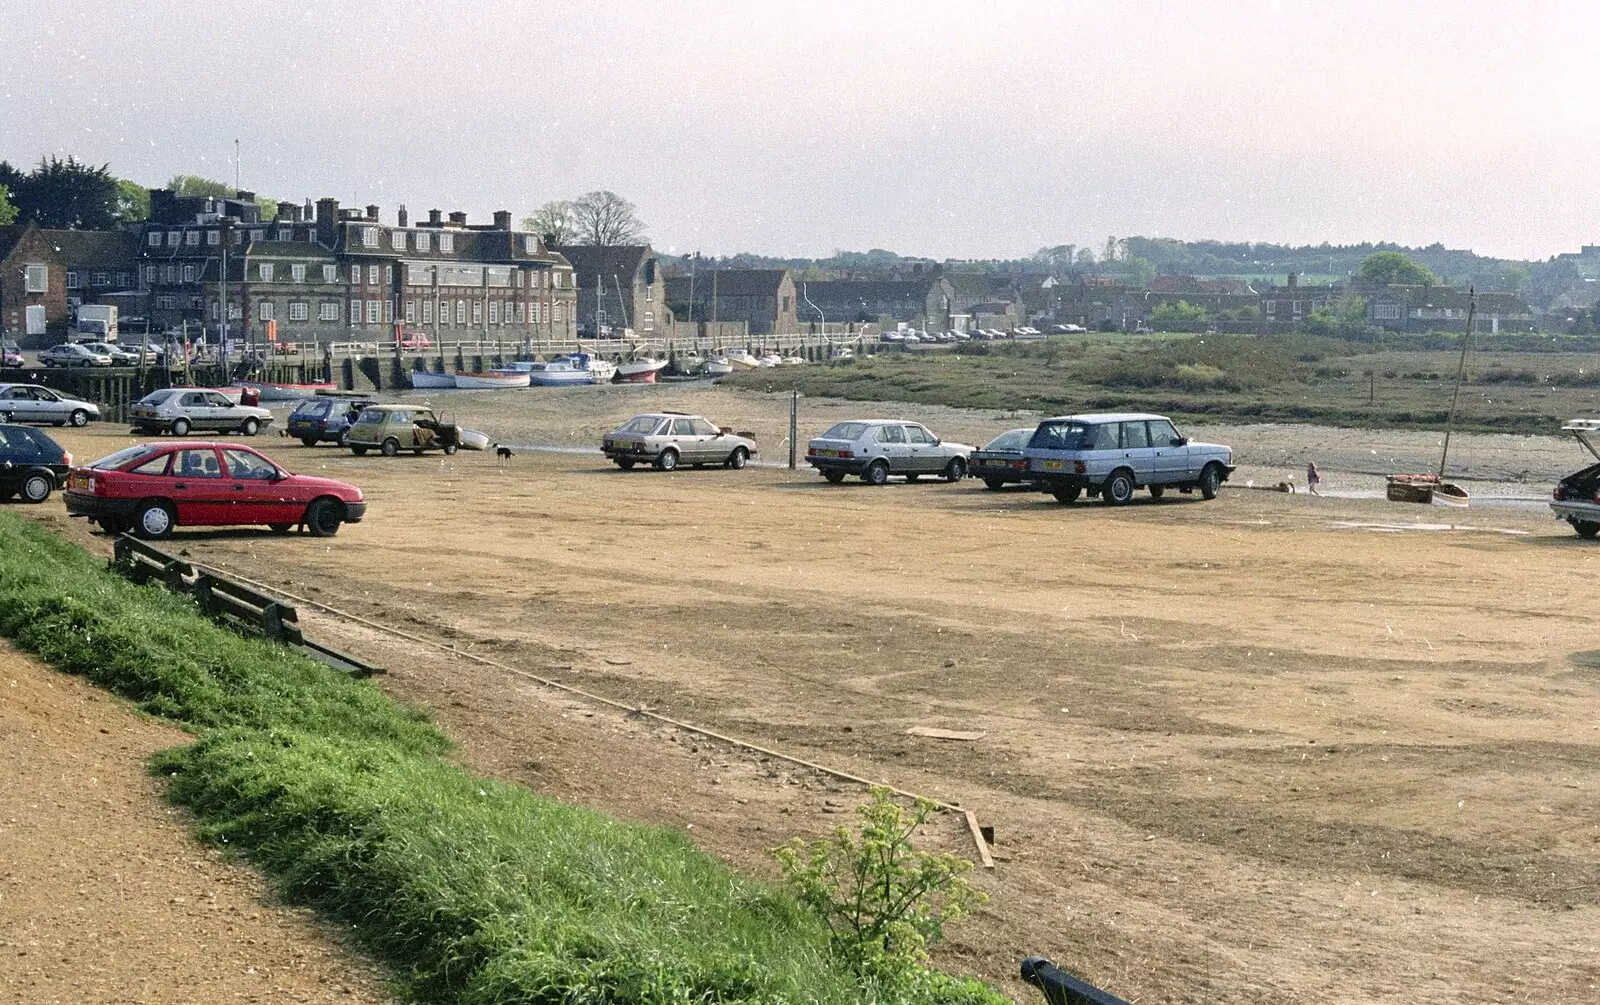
<point x="921" y="303"/>
<point x="1444" y="308"/>
<point x="762" y="298"/>
<point x="619" y="287"/>
<point x="46" y="274"/>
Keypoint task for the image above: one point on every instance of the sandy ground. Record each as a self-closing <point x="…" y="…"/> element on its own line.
<point x="1270" y="748"/>
<point x="103" y="895"/>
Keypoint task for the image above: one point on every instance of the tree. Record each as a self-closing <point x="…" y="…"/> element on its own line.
<point x="68" y="194"/>
<point x="1385" y="267"/>
<point x="193" y="184"/>
<point x="8" y="212"/>
<point x="605" y="219"/>
<point x="553" y="221"/>
<point x="1058" y="257"/>
<point x="133" y="202"/>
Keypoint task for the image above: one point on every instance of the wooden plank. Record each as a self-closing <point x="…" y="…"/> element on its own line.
<point x="977" y="839"/>
<point x="947" y="734"/>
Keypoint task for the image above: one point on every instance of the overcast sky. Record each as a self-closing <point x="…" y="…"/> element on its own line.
<point x="941" y="129"/>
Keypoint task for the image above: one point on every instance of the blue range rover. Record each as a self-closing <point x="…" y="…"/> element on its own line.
<point x="1112" y="454"/>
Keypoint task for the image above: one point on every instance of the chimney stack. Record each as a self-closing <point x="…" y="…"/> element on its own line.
<point x="458" y="219"/>
<point x="372" y="213"/>
<point x="434" y="219"/>
<point x="327" y="221"/>
<point x="402" y="216"/>
<point x="244" y="196"/>
<point x="502" y="219"/>
<point x="1294" y="280"/>
<point x="286" y="212"/>
<point x="307" y="213"/>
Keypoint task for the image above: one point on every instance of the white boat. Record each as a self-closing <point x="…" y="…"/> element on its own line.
<point x="843" y="353"/>
<point x="471" y="439"/>
<point x="578" y="368"/>
<point x="717" y="366"/>
<point x="793" y="360"/>
<point x="267" y="391"/>
<point x="492" y="380"/>
<point x="770" y="359"/>
<point x="427" y="379"/>
<point x="743" y="360"/>
<point x="640" y="371"/>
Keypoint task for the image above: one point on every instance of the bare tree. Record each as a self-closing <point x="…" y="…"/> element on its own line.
<point x="606" y="219"/>
<point x="552" y="221"/>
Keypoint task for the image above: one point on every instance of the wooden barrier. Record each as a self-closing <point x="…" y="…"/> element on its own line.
<point x="1061" y="988"/>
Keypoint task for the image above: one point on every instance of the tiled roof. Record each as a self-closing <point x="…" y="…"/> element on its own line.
<point x="741" y="282"/>
<point x="589" y="261"/>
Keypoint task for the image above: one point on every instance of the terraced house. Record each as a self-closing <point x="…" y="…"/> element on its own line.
<point x="333" y="274"/>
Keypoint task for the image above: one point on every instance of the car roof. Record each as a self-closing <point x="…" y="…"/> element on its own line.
<point x="400" y="408"/>
<point x="1099" y="417"/>
<point x="880" y="422"/>
<point x="155" y="445"/>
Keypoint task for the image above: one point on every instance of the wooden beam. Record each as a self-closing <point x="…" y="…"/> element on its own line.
<point x="977" y="839"/>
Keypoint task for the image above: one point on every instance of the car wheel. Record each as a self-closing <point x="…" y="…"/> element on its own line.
<point x="667" y="460"/>
<point x="323" y="517"/>
<point x="1210" y="481"/>
<point x="80" y="417"/>
<point x="251" y="426"/>
<point x="36" y="488"/>
<point x="1586" y="529"/>
<point x="180" y="427"/>
<point x="359" y="451"/>
<point x="450" y="449"/>
<point x="955" y="470"/>
<point x="280" y="528"/>
<point x="994" y="484"/>
<point x="155" y="520"/>
<point x="739" y="458"/>
<point x="1156" y="491"/>
<point x="625" y="463"/>
<point x="308" y="441"/>
<point x="1067" y="495"/>
<point x="391" y="446"/>
<point x="1118" y="489"/>
<point x="833" y="477"/>
<point x="877" y="473"/>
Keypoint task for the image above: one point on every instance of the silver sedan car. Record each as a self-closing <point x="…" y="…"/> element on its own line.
<point x="878" y="448"/>
<point x="180" y="409"/>
<point x="32" y="403"/>
<point x="668" y="439"/>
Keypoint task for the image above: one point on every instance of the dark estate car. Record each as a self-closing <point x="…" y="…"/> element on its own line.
<point x="151" y="488"/>
<point x="1000" y="462"/>
<point x="32" y="465"/>
<point x="325" y="418"/>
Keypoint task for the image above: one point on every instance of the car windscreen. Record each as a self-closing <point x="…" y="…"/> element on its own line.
<point x="371" y="417"/>
<point x="14" y="440"/>
<point x="157" y="397"/>
<point x="1014" y="439"/>
<point x="312" y="409"/>
<point x="641" y="424"/>
<point x="845" y="431"/>
<point x="123" y="456"/>
<point x="1061" y="435"/>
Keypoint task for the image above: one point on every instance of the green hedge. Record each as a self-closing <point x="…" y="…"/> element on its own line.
<point x="474" y="890"/>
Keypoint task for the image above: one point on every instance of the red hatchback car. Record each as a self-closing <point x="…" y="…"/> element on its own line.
<point x="153" y="487"/>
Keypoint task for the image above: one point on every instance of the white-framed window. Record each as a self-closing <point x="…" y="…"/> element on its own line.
<point x="533" y="312"/>
<point x="213" y="237"/>
<point x="328" y="310"/>
<point x="355" y="275"/>
<point x="257" y="236"/>
<point x="1386" y="312"/>
<point x="34" y="319"/>
<point x="299" y="310"/>
<point x="235" y="312"/>
<point x="374" y="312"/>
<point x="264" y="270"/>
<point x="411" y="312"/>
<point x="149" y="273"/>
<point x="530" y="244"/>
<point x="195" y="303"/>
<point x="424" y="241"/>
<point x="264" y="310"/>
<point x="188" y="273"/>
<point x="427" y="312"/>
<point x="330" y="273"/>
<point x="560" y="312"/>
<point x="169" y="273"/>
<point x="397" y="238"/>
<point x="461" y="312"/>
<point x="172" y="238"/>
<point x="494" y="312"/>
<point x="74" y="280"/>
<point x="388" y="275"/>
<point x="650" y="294"/>
<point x="555" y="279"/>
<point x="649" y="321"/>
<point x="154" y="239"/>
<point x="388" y="312"/>
<point x="192" y="238"/>
<point x="369" y="237"/>
<point x="522" y="312"/>
<point x="372" y="275"/>
<point x="285" y="233"/>
<point x="216" y="310"/>
<point x="238" y="236"/>
<point x="297" y="272"/>
<point x="477" y="313"/>
<point x="36" y="279"/>
<point x="518" y="274"/>
<point x="163" y="303"/>
<point x="1269" y="306"/>
<point x="355" y="312"/>
<point x="447" y="242"/>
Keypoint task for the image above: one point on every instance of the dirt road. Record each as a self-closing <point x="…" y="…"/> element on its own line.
<point x="104" y="897"/>
<point x="1269" y="748"/>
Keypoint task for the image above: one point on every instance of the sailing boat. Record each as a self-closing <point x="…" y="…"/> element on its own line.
<point x="1431" y="488"/>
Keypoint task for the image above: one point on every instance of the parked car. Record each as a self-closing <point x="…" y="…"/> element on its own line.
<point x="878" y="448"/>
<point x="177" y="410"/>
<point x="1576" y="498"/>
<point x="32" y="465"/>
<point x="68" y="354"/>
<point x="325" y="418"/>
<point x="151" y="488"/>
<point x="32" y="403"/>
<point x="119" y="356"/>
<point x="1000" y="462"/>
<point x="668" y="439"/>
<point x="393" y="428"/>
<point x="414" y="340"/>
<point x="1112" y="454"/>
<point x="10" y="353"/>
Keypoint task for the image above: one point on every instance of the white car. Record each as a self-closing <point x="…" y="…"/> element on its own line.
<point x="72" y="355"/>
<point x="119" y="356"/>
<point x="878" y="448"/>
<point x="177" y="410"/>
<point x="32" y="403"/>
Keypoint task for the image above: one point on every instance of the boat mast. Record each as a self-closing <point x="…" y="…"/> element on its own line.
<point x="1461" y="369"/>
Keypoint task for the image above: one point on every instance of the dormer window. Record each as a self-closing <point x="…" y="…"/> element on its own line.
<point x="530" y="244"/>
<point x="369" y="237"/>
<point x="447" y="242"/>
<point x="424" y="241"/>
<point x="285" y="233"/>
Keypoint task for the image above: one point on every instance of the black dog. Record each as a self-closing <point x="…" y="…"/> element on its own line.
<point x="502" y="454"/>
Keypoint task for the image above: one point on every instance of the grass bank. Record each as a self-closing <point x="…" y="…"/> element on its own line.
<point x="475" y="891"/>
<point x="1513" y="385"/>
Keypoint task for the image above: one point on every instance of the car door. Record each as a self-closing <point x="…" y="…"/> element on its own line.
<point x="225" y="414"/>
<point x="923" y="455"/>
<point x="17" y="402"/>
<point x="893" y="448"/>
<point x="1136" y="451"/>
<point x="48" y="406"/>
<point x="1170" y="454"/>
<point x="708" y="446"/>
<point x="690" y="448"/>
<point x="192" y="406"/>
<point x="257" y="494"/>
<point x="203" y="496"/>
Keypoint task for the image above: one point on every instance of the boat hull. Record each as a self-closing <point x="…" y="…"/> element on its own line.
<point x="427" y="379"/>
<point x="1425" y="490"/>
<point x="287" y="392"/>
<point x="640" y="371"/>
<point x="490" y="381"/>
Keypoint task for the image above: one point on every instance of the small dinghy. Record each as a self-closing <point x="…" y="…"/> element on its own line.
<point x="491" y="380"/>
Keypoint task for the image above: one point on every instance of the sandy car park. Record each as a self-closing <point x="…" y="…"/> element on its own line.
<point x="1267" y="748"/>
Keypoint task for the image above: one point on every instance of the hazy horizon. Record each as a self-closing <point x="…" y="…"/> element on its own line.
<point x="945" y="130"/>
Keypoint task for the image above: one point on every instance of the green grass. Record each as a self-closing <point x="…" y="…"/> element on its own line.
<point x="475" y="891"/>
<point x="1521" y="384"/>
